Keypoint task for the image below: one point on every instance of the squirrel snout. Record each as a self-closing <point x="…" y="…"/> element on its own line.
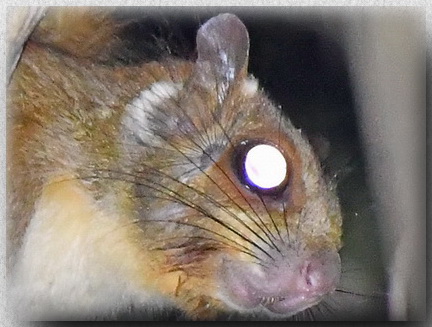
<point x="286" y="285"/>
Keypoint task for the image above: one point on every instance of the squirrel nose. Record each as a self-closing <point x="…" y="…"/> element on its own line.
<point x="314" y="275"/>
<point x="285" y="286"/>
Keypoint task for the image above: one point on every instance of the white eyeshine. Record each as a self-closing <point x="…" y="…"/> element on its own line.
<point x="265" y="166"/>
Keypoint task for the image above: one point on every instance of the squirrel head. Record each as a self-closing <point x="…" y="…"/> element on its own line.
<point x="226" y="188"/>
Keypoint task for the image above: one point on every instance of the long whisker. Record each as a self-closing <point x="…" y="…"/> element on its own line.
<point x="311" y="314"/>
<point x="286" y="222"/>
<point x="327" y="306"/>
<point x="232" y="182"/>
<point x="297" y="233"/>
<point x="220" y="188"/>
<point x="272" y="220"/>
<point x="237" y="247"/>
<point x="199" y="133"/>
<point x="175" y="195"/>
<point x="207" y="197"/>
<point x="371" y="295"/>
<point x="197" y="145"/>
<point x="262" y="227"/>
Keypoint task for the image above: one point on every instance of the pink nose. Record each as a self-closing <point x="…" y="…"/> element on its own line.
<point x="316" y="275"/>
<point x="286" y="285"/>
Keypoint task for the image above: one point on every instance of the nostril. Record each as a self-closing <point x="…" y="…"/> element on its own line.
<point x="308" y="274"/>
<point x="308" y="280"/>
<point x="317" y="276"/>
<point x="312" y="277"/>
<point x="307" y="277"/>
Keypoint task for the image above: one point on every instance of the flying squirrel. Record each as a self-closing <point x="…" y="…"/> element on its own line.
<point x="167" y="184"/>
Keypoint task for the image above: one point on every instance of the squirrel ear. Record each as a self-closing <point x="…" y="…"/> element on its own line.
<point x="223" y="48"/>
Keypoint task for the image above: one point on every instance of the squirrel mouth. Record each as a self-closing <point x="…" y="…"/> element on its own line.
<point x="266" y="301"/>
<point x="288" y="306"/>
<point x="286" y="288"/>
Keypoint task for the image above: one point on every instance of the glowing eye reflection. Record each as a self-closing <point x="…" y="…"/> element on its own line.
<point x="265" y="166"/>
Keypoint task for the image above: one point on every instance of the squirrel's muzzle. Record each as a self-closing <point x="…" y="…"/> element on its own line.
<point x="286" y="285"/>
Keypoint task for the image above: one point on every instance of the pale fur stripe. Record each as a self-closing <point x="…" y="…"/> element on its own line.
<point x="145" y="105"/>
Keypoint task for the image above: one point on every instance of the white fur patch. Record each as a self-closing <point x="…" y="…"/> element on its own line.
<point x="145" y="105"/>
<point x="76" y="261"/>
<point x="249" y="87"/>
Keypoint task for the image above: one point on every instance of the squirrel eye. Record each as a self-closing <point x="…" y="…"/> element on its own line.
<point x="262" y="167"/>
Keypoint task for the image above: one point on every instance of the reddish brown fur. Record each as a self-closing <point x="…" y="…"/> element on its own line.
<point x="60" y="130"/>
<point x="35" y="103"/>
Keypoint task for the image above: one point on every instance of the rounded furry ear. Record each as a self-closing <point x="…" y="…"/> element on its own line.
<point x="223" y="49"/>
